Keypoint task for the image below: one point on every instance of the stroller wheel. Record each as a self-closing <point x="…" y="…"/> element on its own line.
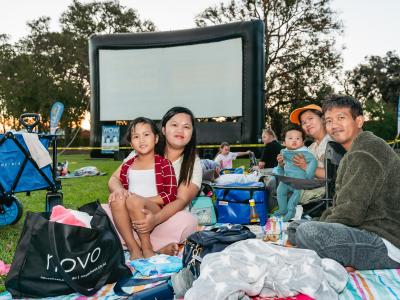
<point x="53" y="199"/>
<point x="10" y="214"/>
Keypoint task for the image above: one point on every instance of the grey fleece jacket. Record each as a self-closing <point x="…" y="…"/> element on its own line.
<point x="368" y="189"/>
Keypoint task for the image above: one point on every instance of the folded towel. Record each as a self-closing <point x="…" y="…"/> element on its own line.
<point x="4" y="268"/>
<point x="38" y="152"/>
<point x="62" y="215"/>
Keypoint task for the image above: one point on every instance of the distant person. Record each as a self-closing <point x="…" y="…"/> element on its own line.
<point x="270" y="151"/>
<point x="361" y="230"/>
<point x="287" y="196"/>
<point x="225" y="158"/>
<point x="150" y="180"/>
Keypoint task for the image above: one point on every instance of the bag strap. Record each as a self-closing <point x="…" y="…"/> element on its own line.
<point x="68" y="280"/>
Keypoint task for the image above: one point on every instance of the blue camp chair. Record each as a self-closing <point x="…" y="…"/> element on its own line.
<point x="20" y="173"/>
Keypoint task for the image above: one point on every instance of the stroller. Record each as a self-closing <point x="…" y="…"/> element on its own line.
<point x="19" y="172"/>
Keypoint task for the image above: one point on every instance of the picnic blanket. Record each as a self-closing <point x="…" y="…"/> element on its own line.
<point x="362" y="285"/>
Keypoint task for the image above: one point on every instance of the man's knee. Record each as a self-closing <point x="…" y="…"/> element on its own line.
<point x="308" y="235"/>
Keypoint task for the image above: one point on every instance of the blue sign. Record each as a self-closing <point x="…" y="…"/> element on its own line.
<point x="109" y="139"/>
<point x="55" y="116"/>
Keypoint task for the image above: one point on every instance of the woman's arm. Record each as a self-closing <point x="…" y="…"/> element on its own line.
<point x="300" y="161"/>
<point x="185" y="194"/>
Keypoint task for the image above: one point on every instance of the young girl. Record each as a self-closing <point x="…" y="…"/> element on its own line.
<point x="151" y="182"/>
<point x="225" y="157"/>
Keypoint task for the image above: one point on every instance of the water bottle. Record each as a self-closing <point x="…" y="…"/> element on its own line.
<point x="254" y="217"/>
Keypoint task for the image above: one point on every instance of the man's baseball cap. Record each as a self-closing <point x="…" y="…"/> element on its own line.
<point x="294" y="116"/>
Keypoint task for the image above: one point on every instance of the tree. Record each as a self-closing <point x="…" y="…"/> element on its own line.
<point x="299" y="48"/>
<point x="376" y="83"/>
<point x="45" y="65"/>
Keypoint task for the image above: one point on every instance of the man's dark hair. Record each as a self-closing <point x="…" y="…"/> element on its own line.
<point x="291" y="127"/>
<point x="343" y="101"/>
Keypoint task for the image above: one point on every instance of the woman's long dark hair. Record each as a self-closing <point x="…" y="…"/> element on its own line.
<point x="189" y="152"/>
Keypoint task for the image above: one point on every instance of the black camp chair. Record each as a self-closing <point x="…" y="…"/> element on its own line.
<point x="333" y="154"/>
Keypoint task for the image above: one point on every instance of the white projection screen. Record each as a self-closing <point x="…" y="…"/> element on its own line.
<point x="215" y="71"/>
<point x="205" y="77"/>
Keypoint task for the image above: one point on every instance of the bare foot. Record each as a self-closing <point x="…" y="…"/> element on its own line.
<point x="350" y="269"/>
<point x="136" y="255"/>
<point x="148" y="253"/>
<point x="170" y="249"/>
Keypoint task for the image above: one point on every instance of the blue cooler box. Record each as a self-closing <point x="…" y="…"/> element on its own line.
<point x="233" y="202"/>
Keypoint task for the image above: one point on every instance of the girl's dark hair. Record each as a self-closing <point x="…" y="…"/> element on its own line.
<point x="189" y="152"/>
<point x="154" y="129"/>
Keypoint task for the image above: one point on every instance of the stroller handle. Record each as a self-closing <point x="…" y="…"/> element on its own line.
<point x="29" y="127"/>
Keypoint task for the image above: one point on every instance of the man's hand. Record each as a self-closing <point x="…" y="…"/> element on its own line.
<point x="147" y="224"/>
<point x="118" y="195"/>
<point x="300" y="161"/>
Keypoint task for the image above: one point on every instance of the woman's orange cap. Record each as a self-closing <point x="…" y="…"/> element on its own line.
<point x="294" y="116"/>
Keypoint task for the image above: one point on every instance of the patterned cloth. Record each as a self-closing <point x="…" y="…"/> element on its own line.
<point x="165" y="177"/>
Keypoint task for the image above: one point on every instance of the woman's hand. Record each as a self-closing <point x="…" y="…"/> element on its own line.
<point x="280" y="160"/>
<point x="147" y="224"/>
<point x="300" y="161"/>
<point x="118" y="195"/>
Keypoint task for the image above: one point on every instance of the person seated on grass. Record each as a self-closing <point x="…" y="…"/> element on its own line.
<point x="287" y="196"/>
<point x="361" y="229"/>
<point x="172" y="224"/>
<point x="225" y="158"/>
<point x="150" y="180"/>
<point x="272" y="148"/>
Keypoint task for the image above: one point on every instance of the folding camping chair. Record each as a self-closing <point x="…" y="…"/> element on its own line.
<point x="333" y="154"/>
<point x="19" y="172"/>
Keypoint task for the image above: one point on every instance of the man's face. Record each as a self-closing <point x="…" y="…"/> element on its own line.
<point x="341" y="126"/>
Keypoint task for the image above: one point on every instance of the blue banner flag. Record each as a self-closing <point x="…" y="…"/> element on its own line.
<point x="55" y="116"/>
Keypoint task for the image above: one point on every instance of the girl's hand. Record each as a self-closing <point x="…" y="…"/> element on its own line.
<point x="118" y="195"/>
<point x="147" y="224"/>
<point x="279" y="158"/>
<point x="300" y="161"/>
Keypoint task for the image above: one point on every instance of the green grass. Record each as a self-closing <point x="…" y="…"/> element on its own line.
<point x="77" y="191"/>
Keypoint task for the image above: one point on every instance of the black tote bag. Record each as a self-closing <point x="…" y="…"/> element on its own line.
<point x="55" y="259"/>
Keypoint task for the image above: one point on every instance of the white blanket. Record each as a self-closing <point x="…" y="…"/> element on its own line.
<point x="253" y="267"/>
<point x="237" y="178"/>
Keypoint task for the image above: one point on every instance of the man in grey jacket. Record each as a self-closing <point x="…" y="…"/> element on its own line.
<point x="362" y="229"/>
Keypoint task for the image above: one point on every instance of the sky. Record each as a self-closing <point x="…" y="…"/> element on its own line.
<point x="371" y="26"/>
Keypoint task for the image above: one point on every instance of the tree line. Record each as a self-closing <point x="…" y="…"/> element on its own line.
<point x="302" y="61"/>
